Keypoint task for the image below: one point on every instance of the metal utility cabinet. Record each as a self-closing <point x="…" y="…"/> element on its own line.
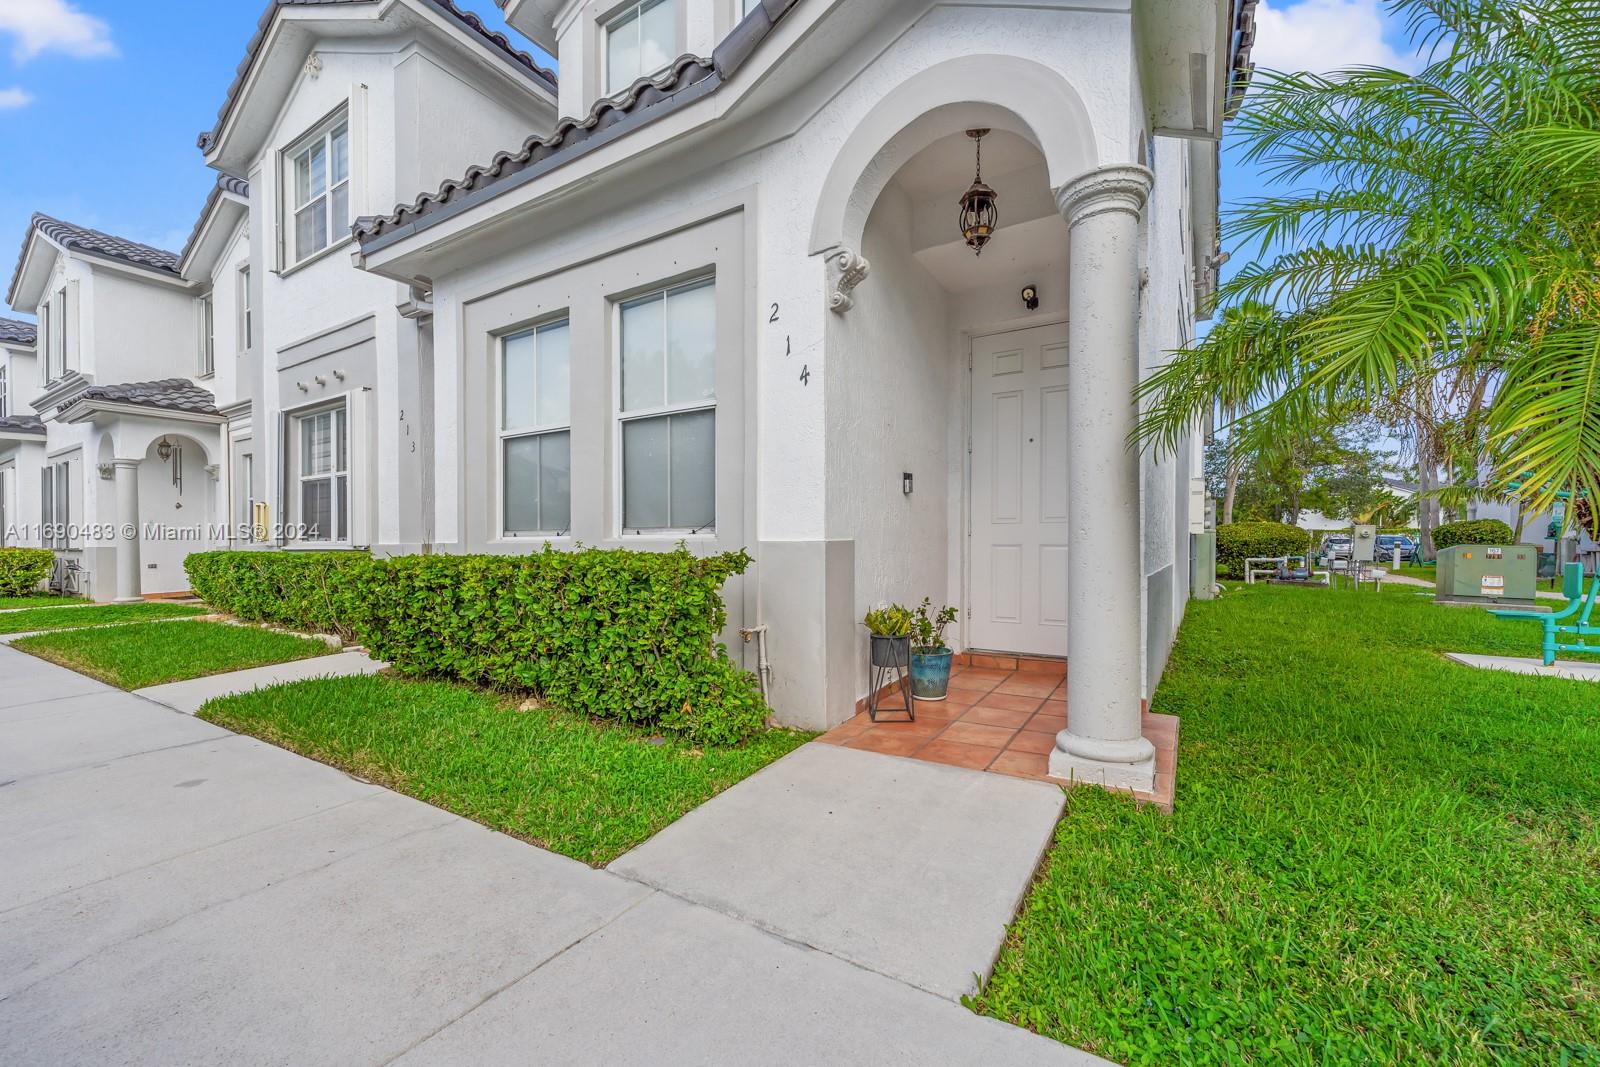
<point x="1488" y="574"/>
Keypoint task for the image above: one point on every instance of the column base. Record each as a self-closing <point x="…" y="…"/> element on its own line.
<point x="1112" y="764"/>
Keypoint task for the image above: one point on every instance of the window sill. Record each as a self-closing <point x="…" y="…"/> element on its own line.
<point x="301" y="264"/>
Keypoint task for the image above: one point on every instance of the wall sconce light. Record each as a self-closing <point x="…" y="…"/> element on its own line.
<point x="1030" y="297"/>
<point x="164" y="450"/>
<point x="905" y="483"/>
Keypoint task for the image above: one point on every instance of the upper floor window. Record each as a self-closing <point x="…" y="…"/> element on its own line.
<point x="535" y="430"/>
<point x="747" y="6"/>
<point x="319" y="187"/>
<point x="640" y="41"/>
<point x="53" y="317"/>
<point x="5" y="394"/>
<point x="669" y="409"/>
<point x="246" y="325"/>
<point x="208" y="337"/>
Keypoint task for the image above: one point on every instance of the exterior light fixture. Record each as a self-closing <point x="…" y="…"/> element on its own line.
<point x="164" y="450"/>
<point x="1030" y="297"/>
<point x="979" y="216"/>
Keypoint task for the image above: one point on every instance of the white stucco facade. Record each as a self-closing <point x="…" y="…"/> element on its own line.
<point x="793" y="178"/>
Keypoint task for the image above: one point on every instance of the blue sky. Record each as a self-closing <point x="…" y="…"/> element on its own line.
<point x="100" y="100"/>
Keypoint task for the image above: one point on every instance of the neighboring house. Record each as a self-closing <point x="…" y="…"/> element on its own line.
<point x="22" y="434"/>
<point x="728" y="304"/>
<point x="253" y="389"/>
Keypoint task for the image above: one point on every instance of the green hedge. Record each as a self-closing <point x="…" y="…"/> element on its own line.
<point x="295" y="589"/>
<point x="1473" y="532"/>
<point x="1238" y="541"/>
<point x="618" y="634"/>
<point x="22" y="569"/>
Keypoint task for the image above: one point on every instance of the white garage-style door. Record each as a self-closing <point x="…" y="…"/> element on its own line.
<point x="1019" y="492"/>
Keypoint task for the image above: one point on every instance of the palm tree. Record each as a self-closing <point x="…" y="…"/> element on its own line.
<point x="1455" y="237"/>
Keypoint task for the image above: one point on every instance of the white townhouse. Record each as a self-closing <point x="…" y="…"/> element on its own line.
<point x="736" y="299"/>
<point x="254" y="390"/>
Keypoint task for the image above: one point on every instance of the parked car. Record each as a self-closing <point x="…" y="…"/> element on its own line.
<point x="1387" y="543"/>
<point x="1335" y="547"/>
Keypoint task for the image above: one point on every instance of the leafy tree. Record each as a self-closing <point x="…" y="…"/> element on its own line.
<point x="1446" y="273"/>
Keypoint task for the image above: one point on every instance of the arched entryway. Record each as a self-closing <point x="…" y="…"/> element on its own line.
<point x="977" y="446"/>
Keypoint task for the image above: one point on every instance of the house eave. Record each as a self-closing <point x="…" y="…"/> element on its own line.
<point x="89" y="410"/>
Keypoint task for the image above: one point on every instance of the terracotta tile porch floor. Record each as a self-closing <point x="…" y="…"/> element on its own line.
<point x="1001" y="716"/>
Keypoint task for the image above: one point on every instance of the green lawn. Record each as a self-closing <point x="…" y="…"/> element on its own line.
<point x="152" y="653"/>
<point x="561" y="781"/>
<point x="40" y="600"/>
<point x="17" y="622"/>
<point x="1377" y="856"/>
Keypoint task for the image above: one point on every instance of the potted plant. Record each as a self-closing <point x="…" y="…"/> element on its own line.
<point x="930" y="656"/>
<point x="890" y="627"/>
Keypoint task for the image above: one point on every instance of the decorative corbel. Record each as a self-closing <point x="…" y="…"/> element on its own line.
<point x="852" y="270"/>
<point x="107" y="471"/>
<point x="214" y="471"/>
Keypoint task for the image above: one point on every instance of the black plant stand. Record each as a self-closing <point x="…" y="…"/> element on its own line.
<point x="891" y="666"/>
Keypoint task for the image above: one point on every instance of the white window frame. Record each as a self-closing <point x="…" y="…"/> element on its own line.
<point x="337" y="496"/>
<point x="5" y="390"/>
<point x="55" y="357"/>
<point x="503" y="434"/>
<point x="246" y="321"/>
<point x="620" y="417"/>
<point x="635" y="10"/>
<point x="745" y="7"/>
<point x="208" y="336"/>
<point x="56" y="506"/>
<point x="338" y="229"/>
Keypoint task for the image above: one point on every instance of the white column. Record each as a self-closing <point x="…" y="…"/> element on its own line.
<point x="129" y="588"/>
<point x="1103" y="742"/>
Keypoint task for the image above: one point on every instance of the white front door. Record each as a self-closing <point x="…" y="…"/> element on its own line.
<point x="1019" y="492"/>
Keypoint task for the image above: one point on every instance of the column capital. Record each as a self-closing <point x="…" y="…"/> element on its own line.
<point x="1119" y="187"/>
<point x="124" y="463"/>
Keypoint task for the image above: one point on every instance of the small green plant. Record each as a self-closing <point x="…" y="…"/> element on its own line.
<point x="22" y="569"/>
<point x="927" y="627"/>
<point x="891" y="620"/>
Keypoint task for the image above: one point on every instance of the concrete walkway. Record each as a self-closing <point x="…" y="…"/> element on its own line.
<point x="188" y="696"/>
<point x="1533" y="666"/>
<point x="174" y="893"/>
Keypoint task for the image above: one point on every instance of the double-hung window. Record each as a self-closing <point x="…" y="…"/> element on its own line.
<point x="535" y="430"/>
<point x="208" y="337"/>
<point x="747" y="6"/>
<point x="55" y="497"/>
<point x="55" y="356"/>
<point x="325" y="476"/>
<point x="319" y="184"/>
<point x="246" y="325"/>
<point x="669" y="409"/>
<point x="640" y="41"/>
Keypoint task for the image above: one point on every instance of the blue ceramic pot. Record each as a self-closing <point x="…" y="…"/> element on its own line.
<point x="930" y="674"/>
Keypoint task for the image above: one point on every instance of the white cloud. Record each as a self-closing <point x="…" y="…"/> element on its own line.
<point x="1325" y="35"/>
<point x="11" y="99"/>
<point x="54" y="25"/>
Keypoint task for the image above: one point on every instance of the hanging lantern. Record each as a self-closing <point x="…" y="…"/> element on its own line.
<point x="979" y="216"/>
<point x="164" y="450"/>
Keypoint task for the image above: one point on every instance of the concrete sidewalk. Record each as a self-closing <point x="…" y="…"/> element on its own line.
<point x="189" y="695"/>
<point x="174" y="893"/>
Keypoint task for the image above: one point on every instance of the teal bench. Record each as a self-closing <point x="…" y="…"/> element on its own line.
<point x="1557" y="622"/>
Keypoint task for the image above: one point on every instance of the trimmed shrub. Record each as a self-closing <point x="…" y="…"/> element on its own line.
<point x="22" y="569"/>
<point x="294" y="589"/>
<point x="1238" y="541"/>
<point x="1473" y="532"/>
<point x="618" y="634"/>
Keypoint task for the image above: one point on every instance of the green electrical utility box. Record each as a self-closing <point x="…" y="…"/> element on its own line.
<point x="1488" y="574"/>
